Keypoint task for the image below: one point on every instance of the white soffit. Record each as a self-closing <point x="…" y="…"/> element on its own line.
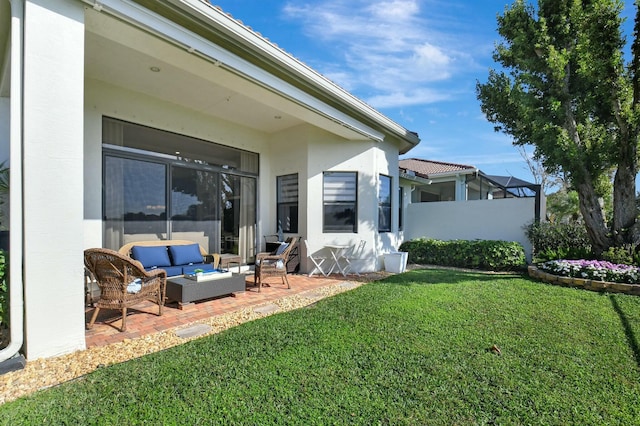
<point x="199" y="65"/>
<point x="249" y="37"/>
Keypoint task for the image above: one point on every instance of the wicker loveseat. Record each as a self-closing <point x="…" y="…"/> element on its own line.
<point x="177" y="257"/>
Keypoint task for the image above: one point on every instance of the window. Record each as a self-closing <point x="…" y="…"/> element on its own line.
<point x="287" y="203"/>
<point x="400" y="206"/>
<point x="340" y="203"/>
<point x="384" y="204"/>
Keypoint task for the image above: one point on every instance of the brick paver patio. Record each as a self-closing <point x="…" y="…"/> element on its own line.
<point x="143" y="319"/>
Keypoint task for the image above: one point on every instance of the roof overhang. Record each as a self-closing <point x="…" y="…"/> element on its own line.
<point x="415" y="179"/>
<point x="410" y="174"/>
<point x="283" y="83"/>
<point x="216" y="26"/>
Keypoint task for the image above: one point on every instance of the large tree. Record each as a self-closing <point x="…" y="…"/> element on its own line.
<point x="564" y="88"/>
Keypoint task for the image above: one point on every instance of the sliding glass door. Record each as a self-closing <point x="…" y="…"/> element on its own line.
<point x="155" y="196"/>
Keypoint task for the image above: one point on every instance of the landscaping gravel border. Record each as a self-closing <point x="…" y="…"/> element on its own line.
<point x="44" y="373"/>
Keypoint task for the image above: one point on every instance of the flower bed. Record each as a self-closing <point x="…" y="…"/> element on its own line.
<point x="593" y="270"/>
<point x="589" y="274"/>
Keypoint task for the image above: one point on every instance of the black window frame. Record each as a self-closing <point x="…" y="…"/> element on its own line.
<point x="384" y="205"/>
<point x="331" y="207"/>
<point x="400" y="206"/>
<point x="289" y="226"/>
<point x="247" y="182"/>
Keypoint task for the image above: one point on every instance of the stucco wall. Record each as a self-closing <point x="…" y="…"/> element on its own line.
<point x="52" y="177"/>
<point x="369" y="159"/>
<point x="63" y="171"/>
<point x="287" y="154"/>
<point x="502" y="219"/>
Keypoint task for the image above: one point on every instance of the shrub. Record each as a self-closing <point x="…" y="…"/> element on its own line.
<point x="553" y="241"/>
<point x="621" y="255"/>
<point x="4" y="296"/>
<point x="476" y="254"/>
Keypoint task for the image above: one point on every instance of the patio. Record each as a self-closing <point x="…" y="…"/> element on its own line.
<point x="142" y="320"/>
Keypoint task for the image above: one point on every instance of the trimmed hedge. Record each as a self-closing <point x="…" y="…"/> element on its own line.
<point x="475" y="254"/>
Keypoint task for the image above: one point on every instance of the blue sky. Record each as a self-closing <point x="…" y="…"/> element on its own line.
<point x="416" y="61"/>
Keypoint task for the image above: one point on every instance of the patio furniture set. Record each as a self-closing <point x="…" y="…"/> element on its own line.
<point x="177" y="270"/>
<point x="183" y="271"/>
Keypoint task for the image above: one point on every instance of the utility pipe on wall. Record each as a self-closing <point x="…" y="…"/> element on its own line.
<point x="16" y="299"/>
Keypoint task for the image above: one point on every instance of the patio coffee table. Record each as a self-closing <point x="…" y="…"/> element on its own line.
<point x="186" y="291"/>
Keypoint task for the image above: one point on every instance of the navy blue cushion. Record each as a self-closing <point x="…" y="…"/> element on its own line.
<point x="184" y="255"/>
<point x="171" y="271"/>
<point x="188" y="269"/>
<point x="151" y="256"/>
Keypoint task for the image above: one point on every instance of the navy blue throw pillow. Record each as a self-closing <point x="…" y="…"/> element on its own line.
<point x="151" y="256"/>
<point x="185" y="254"/>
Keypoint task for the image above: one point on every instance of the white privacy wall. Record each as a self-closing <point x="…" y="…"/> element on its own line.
<point x="501" y="219"/>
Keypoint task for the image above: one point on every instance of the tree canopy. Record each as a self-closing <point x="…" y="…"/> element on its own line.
<point x="564" y="87"/>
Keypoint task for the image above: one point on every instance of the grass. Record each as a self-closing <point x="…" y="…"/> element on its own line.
<point x="412" y="349"/>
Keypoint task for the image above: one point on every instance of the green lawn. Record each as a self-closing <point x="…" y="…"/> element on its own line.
<point x="412" y="349"/>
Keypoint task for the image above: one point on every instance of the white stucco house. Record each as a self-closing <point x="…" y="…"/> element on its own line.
<point x="124" y="120"/>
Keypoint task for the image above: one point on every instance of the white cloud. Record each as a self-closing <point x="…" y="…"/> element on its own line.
<point x="419" y="96"/>
<point x="424" y="151"/>
<point x="392" y="52"/>
<point x="394" y="10"/>
<point x="506" y="157"/>
<point x="430" y="55"/>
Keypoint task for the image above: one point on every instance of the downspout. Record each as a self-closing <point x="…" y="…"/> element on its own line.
<point x="9" y="358"/>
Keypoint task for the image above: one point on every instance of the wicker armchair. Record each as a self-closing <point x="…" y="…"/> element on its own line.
<point x="273" y="265"/>
<point x="123" y="282"/>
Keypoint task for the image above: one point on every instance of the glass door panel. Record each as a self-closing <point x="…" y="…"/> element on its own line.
<point x="238" y="201"/>
<point x="247" y="222"/>
<point x="135" y="206"/>
<point x="230" y="197"/>
<point x="195" y="215"/>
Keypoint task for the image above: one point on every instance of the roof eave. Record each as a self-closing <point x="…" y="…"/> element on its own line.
<point x="214" y="25"/>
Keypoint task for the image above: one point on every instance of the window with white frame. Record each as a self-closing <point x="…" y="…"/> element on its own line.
<point x="340" y="202"/>
<point x="287" y="203"/>
<point x="384" y="203"/>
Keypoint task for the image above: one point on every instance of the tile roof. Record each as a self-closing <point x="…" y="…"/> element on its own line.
<point x="428" y="168"/>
